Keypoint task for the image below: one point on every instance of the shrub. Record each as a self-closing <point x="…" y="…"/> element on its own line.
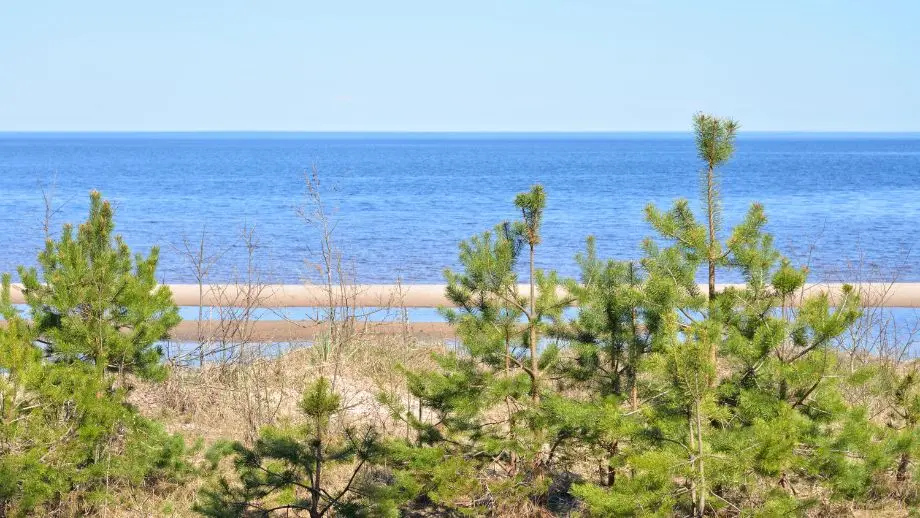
<point x="94" y="317"/>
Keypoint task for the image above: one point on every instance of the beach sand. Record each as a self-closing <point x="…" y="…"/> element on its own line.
<point x="892" y="295"/>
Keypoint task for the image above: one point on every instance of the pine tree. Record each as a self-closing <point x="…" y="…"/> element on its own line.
<point x="715" y="144"/>
<point x="498" y="370"/>
<point x="685" y="345"/>
<point x="92" y="303"/>
<point x="532" y="205"/>
<point x="605" y="408"/>
<point x="897" y="385"/>
<point x="608" y="340"/>
<point x="749" y="411"/>
<point x="93" y="318"/>
<point x="288" y="467"/>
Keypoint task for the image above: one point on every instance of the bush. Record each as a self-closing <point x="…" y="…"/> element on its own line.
<point x="288" y="468"/>
<point x="67" y="435"/>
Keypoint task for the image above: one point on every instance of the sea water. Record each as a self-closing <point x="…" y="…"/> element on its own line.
<point x="848" y="205"/>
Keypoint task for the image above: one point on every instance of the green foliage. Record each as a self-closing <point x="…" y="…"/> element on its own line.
<point x="485" y="400"/>
<point x="606" y="336"/>
<point x="531" y="204"/>
<point x="647" y="491"/>
<point x="608" y="344"/>
<point x="91" y="303"/>
<point x="739" y="399"/>
<point x="688" y="402"/>
<point x="288" y="468"/>
<point x="715" y="144"/>
<point x="715" y="138"/>
<point x="67" y="435"/>
<point x="897" y="385"/>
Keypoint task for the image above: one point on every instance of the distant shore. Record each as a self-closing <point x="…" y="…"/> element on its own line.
<point x="890" y="295"/>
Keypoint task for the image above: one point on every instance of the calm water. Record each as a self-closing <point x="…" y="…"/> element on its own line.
<point x="404" y="201"/>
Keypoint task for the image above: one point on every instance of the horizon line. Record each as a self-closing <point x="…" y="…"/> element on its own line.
<point x="450" y="132"/>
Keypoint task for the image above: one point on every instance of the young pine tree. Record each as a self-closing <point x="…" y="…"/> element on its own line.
<point x="290" y="468"/>
<point x="783" y="394"/>
<point x="67" y="436"/>
<point x="689" y="345"/>
<point x="608" y="341"/>
<point x="92" y="302"/>
<point x="715" y="144"/>
<point x="532" y="205"/>
<point x="484" y="401"/>
<point x="765" y="411"/>
<point x="603" y="412"/>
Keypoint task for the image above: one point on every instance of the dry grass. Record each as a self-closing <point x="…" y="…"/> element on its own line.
<point x="206" y="405"/>
<point x="215" y="403"/>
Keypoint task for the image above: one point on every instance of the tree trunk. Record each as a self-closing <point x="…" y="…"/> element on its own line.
<point x="507" y="353"/>
<point x="634" y="349"/>
<point x="531" y="317"/>
<point x="701" y="465"/>
<point x="611" y="477"/>
<point x="711" y="251"/>
<point x="711" y="213"/>
<point x="691" y="447"/>
<point x="903" y="464"/>
<point x="316" y="486"/>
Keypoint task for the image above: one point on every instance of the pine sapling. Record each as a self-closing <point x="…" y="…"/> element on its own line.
<point x="715" y="144"/>
<point x="286" y="468"/>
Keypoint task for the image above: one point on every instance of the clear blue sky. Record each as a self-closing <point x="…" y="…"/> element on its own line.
<point x="527" y="65"/>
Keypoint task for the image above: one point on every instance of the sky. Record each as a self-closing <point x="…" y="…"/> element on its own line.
<point x="514" y="65"/>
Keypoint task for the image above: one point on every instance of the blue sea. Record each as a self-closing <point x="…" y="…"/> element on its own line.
<point x="845" y="204"/>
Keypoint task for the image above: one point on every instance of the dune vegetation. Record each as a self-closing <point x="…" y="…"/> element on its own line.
<point x="654" y="398"/>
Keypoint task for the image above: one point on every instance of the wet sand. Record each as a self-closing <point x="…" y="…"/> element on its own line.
<point x="289" y="331"/>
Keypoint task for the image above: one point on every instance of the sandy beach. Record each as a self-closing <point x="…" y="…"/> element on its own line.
<point x="891" y="295"/>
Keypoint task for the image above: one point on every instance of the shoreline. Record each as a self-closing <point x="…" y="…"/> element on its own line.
<point x="888" y="295"/>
